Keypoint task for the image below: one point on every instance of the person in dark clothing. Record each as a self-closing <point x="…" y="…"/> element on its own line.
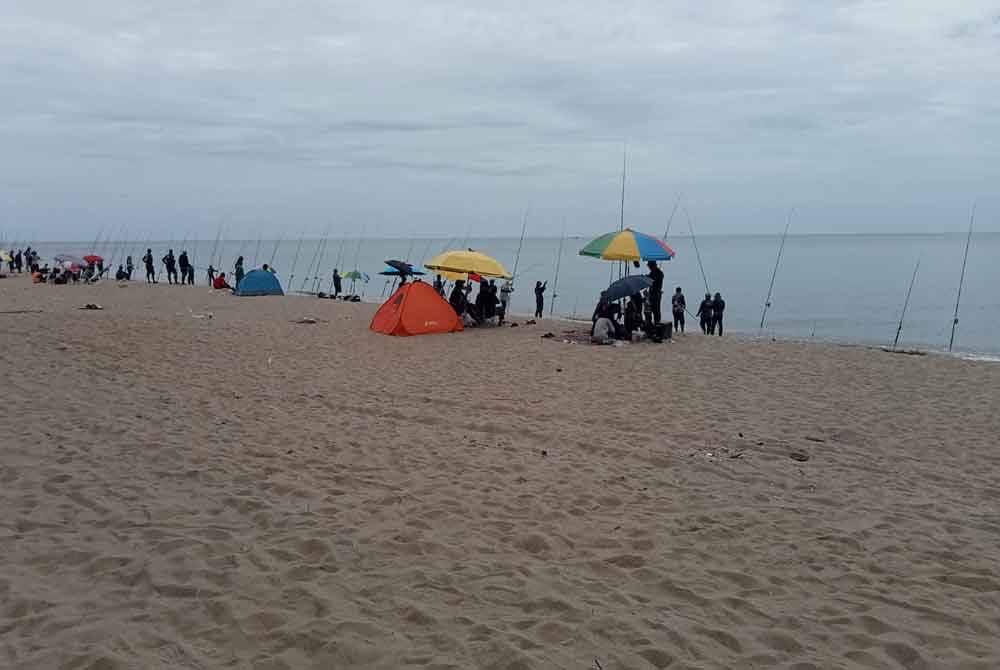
<point x="150" y="269"/>
<point x="633" y="315"/>
<point x="655" y="294"/>
<point x="170" y="262"/>
<point x="211" y="274"/>
<point x="705" y="314"/>
<point x="718" y="308"/>
<point x="678" y="305"/>
<point x="337" y="285"/>
<point x="18" y="261"/>
<point x="540" y="298"/>
<point x="121" y="275"/>
<point x="129" y="268"/>
<point x="238" y="271"/>
<point x="439" y="285"/>
<point x="457" y="297"/>
<point x="185" y="265"/>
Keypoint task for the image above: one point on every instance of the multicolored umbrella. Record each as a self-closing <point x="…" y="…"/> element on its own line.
<point x="468" y="262"/>
<point x="396" y="268"/>
<point x="355" y="275"/>
<point x="94" y="259"/>
<point x="628" y="245"/>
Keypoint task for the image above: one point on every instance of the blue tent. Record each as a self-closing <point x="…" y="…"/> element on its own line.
<point x="259" y="282"/>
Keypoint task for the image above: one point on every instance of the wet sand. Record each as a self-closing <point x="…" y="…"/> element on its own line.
<point x="179" y="491"/>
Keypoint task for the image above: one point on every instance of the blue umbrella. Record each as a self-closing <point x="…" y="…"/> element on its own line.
<point x="627" y="286"/>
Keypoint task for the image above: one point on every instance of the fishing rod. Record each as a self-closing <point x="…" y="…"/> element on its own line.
<point x="295" y="261"/>
<point x="961" y="281"/>
<point x="215" y="248"/>
<point x="697" y="254"/>
<point x="277" y="244"/>
<point x="520" y="244"/>
<point x="312" y="262"/>
<point x="318" y="279"/>
<point x="555" y="281"/>
<point x="670" y="221"/>
<point x="256" y="253"/>
<point x="774" y="273"/>
<point x="906" y="303"/>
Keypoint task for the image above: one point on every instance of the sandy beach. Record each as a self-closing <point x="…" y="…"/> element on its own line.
<point x="193" y="480"/>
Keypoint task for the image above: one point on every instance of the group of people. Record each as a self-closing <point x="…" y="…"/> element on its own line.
<point x="20" y="260"/>
<point x="642" y="313"/>
<point x="488" y="308"/>
<point x="171" y="263"/>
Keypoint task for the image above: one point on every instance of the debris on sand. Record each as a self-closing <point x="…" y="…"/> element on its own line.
<point x="547" y="336"/>
<point x="800" y="456"/>
<point x="91" y="305"/>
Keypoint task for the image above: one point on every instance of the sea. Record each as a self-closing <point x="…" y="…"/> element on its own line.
<point x="837" y="288"/>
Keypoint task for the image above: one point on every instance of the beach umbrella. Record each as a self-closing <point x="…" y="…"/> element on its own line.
<point x="66" y="260"/>
<point x="355" y="275"/>
<point x="468" y="262"/>
<point x="628" y="245"/>
<point x="627" y="286"/>
<point x="397" y="268"/>
<point x="93" y="259"/>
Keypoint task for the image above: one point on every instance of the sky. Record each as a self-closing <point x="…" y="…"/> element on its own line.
<point x="451" y="117"/>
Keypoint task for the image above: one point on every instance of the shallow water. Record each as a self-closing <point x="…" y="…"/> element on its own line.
<point x="847" y="288"/>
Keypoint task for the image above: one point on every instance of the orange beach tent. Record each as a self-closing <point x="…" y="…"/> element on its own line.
<point x="415" y="309"/>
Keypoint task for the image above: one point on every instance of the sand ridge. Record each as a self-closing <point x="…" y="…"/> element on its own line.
<point x="181" y="491"/>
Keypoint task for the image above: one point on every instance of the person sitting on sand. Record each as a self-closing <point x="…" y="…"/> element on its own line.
<point x="604" y="331"/>
<point x="457" y="299"/>
<point x="121" y="275"/>
<point x="220" y="282"/>
<point x="633" y="315"/>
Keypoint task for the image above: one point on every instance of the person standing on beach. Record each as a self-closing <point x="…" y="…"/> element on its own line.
<point x="439" y="285"/>
<point x="129" y="268"/>
<point x="18" y="262"/>
<point x="337" y="283"/>
<point x="540" y="298"/>
<point x="170" y="262"/>
<point x="705" y="314"/>
<point x="655" y="295"/>
<point x="185" y="265"/>
<point x="150" y="269"/>
<point x="238" y="271"/>
<point x="678" y="304"/>
<point x="210" y="273"/>
<point x="718" y="307"/>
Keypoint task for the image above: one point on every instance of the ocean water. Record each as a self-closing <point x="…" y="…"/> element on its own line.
<point x="844" y="288"/>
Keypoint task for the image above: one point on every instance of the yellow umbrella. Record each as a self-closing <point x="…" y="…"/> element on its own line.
<point x="453" y="276"/>
<point x="468" y="262"/>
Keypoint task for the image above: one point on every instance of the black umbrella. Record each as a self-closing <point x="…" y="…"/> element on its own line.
<point x="627" y="286"/>
<point x="402" y="267"/>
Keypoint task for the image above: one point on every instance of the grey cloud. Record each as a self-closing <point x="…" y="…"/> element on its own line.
<point x="741" y="106"/>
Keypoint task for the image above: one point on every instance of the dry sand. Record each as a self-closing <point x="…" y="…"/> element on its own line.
<point x="243" y="491"/>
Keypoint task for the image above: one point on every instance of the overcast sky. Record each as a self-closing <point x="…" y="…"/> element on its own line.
<point x="442" y="117"/>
